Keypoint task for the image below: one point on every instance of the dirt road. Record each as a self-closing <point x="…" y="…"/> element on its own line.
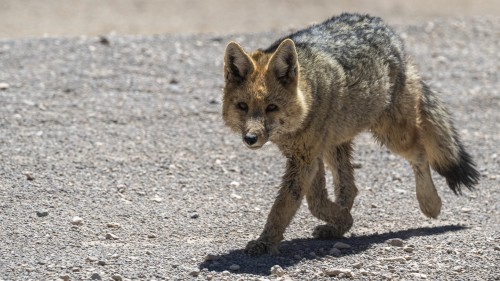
<point x="115" y="165"/>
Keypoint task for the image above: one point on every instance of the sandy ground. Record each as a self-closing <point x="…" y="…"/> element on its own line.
<point x="115" y="164"/>
<point x="34" y="18"/>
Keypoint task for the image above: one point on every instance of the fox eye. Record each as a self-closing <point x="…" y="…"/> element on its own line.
<point x="242" y="106"/>
<point x="272" y="107"/>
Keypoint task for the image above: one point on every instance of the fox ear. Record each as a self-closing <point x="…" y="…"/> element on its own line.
<point x="284" y="63"/>
<point x="237" y="64"/>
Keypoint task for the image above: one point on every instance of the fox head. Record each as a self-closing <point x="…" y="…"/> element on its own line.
<point x="262" y="100"/>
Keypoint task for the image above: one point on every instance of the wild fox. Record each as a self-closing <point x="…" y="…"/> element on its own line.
<point x="312" y="92"/>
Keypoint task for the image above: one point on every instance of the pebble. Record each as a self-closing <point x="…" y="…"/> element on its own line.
<point x="234" y="183"/>
<point x="77" y="221"/>
<point x="157" y="199"/>
<point x="408" y="249"/>
<point x="195" y="216"/>
<point x="277" y="270"/>
<point x="397" y="242"/>
<point x="91" y="259"/>
<point x="341" y="245"/>
<point x="151" y="235"/>
<point x="64" y="277"/>
<point x="111" y="236"/>
<point x="29" y="176"/>
<point x="95" y="276"/>
<point x="195" y="272"/>
<point x="116" y="277"/>
<point x="466" y="210"/>
<point x="211" y="257"/>
<point x="113" y="225"/>
<point x="335" y="252"/>
<point x="337" y="271"/>
<point x="234" y="267"/>
<point x="496" y="248"/>
<point x="42" y="213"/>
<point x="4" y="86"/>
<point x="358" y="265"/>
<point x="396" y="259"/>
<point x="101" y="263"/>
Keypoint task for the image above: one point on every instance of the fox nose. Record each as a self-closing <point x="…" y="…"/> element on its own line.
<point x="250" y="139"/>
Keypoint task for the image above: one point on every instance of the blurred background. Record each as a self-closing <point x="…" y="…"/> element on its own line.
<point x="36" y="18"/>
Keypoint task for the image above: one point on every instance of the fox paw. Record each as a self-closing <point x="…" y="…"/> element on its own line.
<point x="260" y="247"/>
<point x="431" y="208"/>
<point x="337" y="230"/>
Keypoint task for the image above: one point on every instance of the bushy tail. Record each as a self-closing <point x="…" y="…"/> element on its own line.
<point x="444" y="150"/>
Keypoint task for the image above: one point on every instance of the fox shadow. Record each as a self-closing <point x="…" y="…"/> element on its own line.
<point x="294" y="251"/>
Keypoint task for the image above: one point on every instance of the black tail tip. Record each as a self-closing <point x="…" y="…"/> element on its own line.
<point x="464" y="172"/>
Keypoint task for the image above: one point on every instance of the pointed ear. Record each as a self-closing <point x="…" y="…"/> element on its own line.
<point x="237" y="64"/>
<point x="284" y="63"/>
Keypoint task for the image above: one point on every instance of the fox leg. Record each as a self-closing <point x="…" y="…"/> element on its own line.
<point x="338" y="218"/>
<point x="403" y="137"/>
<point x="336" y="214"/>
<point x="296" y="181"/>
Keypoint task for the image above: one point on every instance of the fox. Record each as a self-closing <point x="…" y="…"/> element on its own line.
<point x="312" y="92"/>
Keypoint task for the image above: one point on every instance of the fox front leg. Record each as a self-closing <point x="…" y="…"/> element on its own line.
<point x="296" y="181"/>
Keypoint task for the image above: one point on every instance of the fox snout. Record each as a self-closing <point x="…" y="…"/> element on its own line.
<point x="250" y="139"/>
<point x="254" y="139"/>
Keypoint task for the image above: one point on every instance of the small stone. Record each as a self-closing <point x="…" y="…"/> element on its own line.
<point x="64" y="277"/>
<point x="277" y="270"/>
<point x="151" y="235"/>
<point x="466" y="210"/>
<point x="335" y="252"/>
<point x="234" y="267"/>
<point x="29" y="176"/>
<point x="297" y="257"/>
<point x="113" y="225"/>
<point x="111" y="236"/>
<point x="75" y="269"/>
<point x="4" y="86"/>
<point x="195" y="216"/>
<point x="235" y="196"/>
<point x="210" y="277"/>
<point x="408" y="258"/>
<point x="211" y="257"/>
<point x="157" y="199"/>
<point x="408" y="249"/>
<point x="42" y="213"/>
<point x="396" y="259"/>
<point x="116" y="277"/>
<point x="95" y="276"/>
<point x="195" y="272"/>
<point x="497" y="248"/>
<point x="337" y="272"/>
<point x="234" y="183"/>
<point x="397" y="242"/>
<point x="358" y="265"/>
<point x="341" y="246"/>
<point x="91" y="259"/>
<point x="101" y="263"/>
<point x="77" y="221"/>
<point x="458" y="268"/>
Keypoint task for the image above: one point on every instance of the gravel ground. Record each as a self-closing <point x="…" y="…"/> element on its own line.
<point x="116" y="166"/>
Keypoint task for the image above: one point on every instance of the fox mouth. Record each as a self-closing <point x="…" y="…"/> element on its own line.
<point x="254" y="146"/>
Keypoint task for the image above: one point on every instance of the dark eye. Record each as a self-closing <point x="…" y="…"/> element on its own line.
<point x="242" y="106"/>
<point x="272" y="107"/>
